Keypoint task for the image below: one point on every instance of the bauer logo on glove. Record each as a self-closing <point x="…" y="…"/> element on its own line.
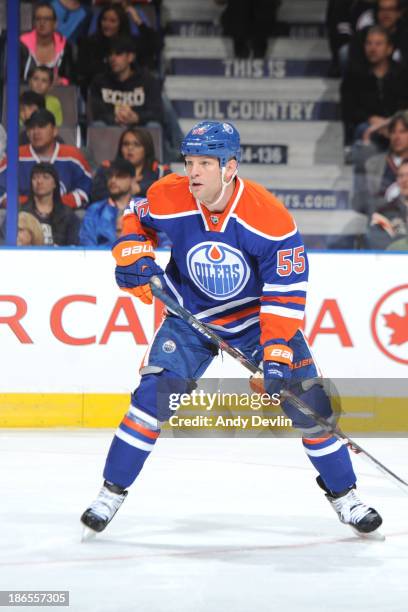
<point x="134" y="255"/>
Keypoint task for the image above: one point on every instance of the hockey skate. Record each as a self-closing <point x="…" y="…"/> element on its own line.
<point x="352" y="511"/>
<point x="102" y="510"/>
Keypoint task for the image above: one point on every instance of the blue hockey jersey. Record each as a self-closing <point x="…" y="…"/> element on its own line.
<point x="245" y="266"/>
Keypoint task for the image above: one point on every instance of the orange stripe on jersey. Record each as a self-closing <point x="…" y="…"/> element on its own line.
<point x="261" y="210"/>
<point x="236" y="315"/>
<point x="132" y="225"/>
<point x="274" y="326"/>
<point x="170" y="195"/>
<point x="284" y="300"/>
<point x="146" y="432"/>
<point x="316" y="440"/>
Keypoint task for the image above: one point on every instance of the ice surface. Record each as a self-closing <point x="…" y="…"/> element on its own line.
<point x="211" y="525"/>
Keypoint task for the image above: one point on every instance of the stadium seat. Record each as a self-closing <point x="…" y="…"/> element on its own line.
<point x="102" y="142"/>
<point x="70" y="134"/>
<point x="68" y="97"/>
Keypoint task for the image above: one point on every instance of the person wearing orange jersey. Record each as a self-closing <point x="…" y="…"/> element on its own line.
<point x="239" y="265"/>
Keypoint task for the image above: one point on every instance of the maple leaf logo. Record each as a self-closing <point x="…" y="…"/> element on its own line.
<point x="399" y="325"/>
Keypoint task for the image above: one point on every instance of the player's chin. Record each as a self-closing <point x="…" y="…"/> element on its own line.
<point x="196" y="189"/>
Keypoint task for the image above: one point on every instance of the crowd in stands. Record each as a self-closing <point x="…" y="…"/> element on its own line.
<point x="96" y="65"/>
<point x="108" y="53"/>
<point x="369" y="45"/>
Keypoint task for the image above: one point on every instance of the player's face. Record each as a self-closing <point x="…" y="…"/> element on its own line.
<point x="204" y="175"/>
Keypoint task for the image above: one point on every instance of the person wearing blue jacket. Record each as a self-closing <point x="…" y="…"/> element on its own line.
<point x="101" y="225"/>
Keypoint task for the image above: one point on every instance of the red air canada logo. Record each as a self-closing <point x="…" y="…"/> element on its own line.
<point x="389" y="324"/>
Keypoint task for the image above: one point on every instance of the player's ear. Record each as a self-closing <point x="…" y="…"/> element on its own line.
<point x="230" y="168"/>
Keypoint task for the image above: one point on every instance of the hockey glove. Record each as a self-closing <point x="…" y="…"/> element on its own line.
<point x="135" y="256"/>
<point x="277" y="362"/>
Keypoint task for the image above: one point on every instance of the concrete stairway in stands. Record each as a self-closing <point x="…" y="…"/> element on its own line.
<point x="285" y="107"/>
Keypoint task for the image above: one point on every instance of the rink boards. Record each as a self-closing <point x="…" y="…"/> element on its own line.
<point x="71" y="342"/>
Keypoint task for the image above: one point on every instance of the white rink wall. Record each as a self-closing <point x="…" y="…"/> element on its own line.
<point x="66" y="328"/>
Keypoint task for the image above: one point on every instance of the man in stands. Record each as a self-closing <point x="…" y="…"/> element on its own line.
<point x="389" y="14"/>
<point x="74" y="172"/>
<point x="372" y="93"/>
<point x="102" y="222"/>
<point x="375" y="181"/>
<point x="125" y="95"/>
<point x="389" y="224"/>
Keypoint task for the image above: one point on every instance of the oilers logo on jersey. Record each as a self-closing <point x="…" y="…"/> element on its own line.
<point x="218" y="269"/>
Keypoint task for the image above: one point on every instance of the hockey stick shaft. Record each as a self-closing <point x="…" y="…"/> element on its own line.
<point x="220" y="343"/>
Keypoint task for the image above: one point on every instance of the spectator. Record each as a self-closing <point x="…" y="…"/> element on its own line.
<point x="93" y="51"/>
<point x="72" y="18"/>
<point x="59" y="224"/>
<point x="44" y="46"/>
<point x="3" y="140"/>
<point x="389" y="224"/>
<point x="101" y="224"/>
<point x="249" y="23"/>
<point x="136" y="146"/>
<point x="125" y="95"/>
<point x="388" y="15"/>
<point x="29" y="231"/>
<point x="339" y="31"/>
<point x="376" y="181"/>
<point x="133" y="22"/>
<point x="41" y="80"/>
<point x="373" y="93"/>
<point x="73" y="169"/>
<point x="30" y="101"/>
<point x="344" y="18"/>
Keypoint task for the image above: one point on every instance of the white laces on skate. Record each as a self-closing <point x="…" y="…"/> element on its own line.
<point x="350" y="508"/>
<point x="106" y="504"/>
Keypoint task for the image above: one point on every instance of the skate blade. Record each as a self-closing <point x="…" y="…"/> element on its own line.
<point x="87" y="534"/>
<point x="374" y="536"/>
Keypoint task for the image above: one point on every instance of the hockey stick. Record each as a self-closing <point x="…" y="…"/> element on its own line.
<point x="220" y="343"/>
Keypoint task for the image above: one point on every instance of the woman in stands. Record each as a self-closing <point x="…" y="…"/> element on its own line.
<point x="93" y="50"/>
<point x="135" y="145"/>
<point x="44" y="46"/>
<point x="114" y="21"/>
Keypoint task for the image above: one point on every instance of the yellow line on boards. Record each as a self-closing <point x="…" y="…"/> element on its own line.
<point x="360" y="414"/>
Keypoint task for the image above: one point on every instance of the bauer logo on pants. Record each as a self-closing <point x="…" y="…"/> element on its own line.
<point x="218" y="269"/>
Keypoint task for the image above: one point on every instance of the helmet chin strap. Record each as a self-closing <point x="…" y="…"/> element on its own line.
<point x="225" y="184"/>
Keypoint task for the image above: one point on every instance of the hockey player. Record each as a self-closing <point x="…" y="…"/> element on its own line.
<point x="239" y="265"/>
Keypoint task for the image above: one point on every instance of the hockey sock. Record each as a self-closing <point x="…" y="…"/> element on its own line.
<point x="331" y="459"/>
<point x="132" y="444"/>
